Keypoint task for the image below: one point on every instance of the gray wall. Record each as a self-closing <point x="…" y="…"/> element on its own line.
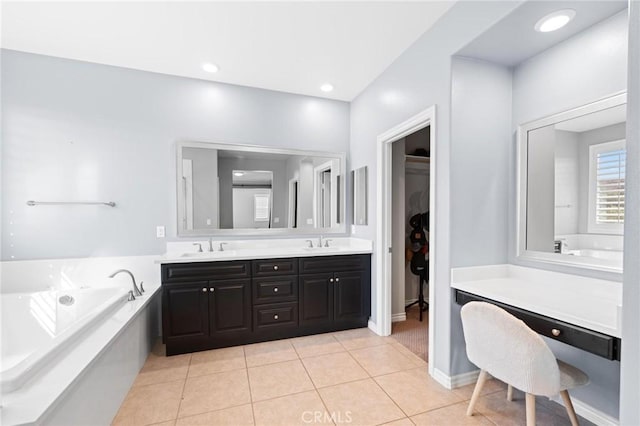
<point x="568" y="75"/>
<point x="630" y="377"/>
<point x="418" y="79"/>
<point x="243" y="207"/>
<point x="74" y="130"/>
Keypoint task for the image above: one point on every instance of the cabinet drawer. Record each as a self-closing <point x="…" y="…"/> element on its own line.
<point x="173" y="272"/>
<point x="270" y="267"/>
<point x="314" y="265"/>
<point x="275" y="289"/>
<point x="276" y="315"/>
<point x="588" y="340"/>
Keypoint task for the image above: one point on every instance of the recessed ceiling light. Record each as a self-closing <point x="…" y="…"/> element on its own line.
<point x="209" y="67"/>
<point x="555" y="21"/>
<point x="327" y="87"/>
<point x="238" y="174"/>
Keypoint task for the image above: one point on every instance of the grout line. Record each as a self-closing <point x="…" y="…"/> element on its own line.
<point x="182" y="393"/>
<point x="246" y="370"/>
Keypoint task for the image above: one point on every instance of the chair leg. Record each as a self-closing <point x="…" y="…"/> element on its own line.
<point x="476" y="391"/>
<point x="531" y="409"/>
<point x="569" y="406"/>
<point x="509" y="392"/>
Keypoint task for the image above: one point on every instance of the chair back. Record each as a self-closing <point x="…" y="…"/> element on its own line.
<point x="507" y="349"/>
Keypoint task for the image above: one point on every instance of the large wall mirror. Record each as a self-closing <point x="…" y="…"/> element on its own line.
<point x="248" y="190"/>
<point x="572" y="186"/>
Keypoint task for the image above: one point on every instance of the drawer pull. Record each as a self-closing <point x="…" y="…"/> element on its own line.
<point x="275" y="267"/>
<point x="204" y="290"/>
<point x="337" y="280"/>
<point x="275" y="317"/>
<point x="330" y="280"/>
<point x="555" y="332"/>
<point x="212" y="289"/>
<point x="275" y="290"/>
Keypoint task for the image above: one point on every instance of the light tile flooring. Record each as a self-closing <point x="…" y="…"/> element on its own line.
<point x="352" y="377"/>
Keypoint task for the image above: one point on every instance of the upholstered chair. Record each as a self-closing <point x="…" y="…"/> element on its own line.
<point x="504" y="347"/>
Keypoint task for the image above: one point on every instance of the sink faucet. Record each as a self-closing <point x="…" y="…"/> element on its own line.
<point x="210" y="244"/>
<point x="221" y="246"/>
<point x="199" y="247"/>
<point x="136" y="291"/>
<point x="320" y="241"/>
<point x="310" y="243"/>
<point x="326" y="242"/>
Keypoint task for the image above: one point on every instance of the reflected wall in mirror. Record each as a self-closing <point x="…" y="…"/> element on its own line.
<point x="359" y="180"/>
<point x="572" y="186"/>
<point x="232" y="189"/>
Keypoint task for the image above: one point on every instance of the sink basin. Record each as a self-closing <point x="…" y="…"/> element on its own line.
<point x="209" y="254"/>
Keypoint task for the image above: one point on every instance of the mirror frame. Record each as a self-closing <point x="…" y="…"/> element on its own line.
<point x="181" y="232"/>
<point x="521" y="186"/>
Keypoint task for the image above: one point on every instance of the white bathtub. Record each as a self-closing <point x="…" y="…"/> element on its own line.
<point x="35" y="326"/>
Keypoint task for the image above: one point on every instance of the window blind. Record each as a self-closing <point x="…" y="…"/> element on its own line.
<point x="610" y="186"/>
<point x="261" y="207"/>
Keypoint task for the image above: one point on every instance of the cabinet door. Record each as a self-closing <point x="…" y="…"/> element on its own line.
<point x="230" y="306"/>
<point x="185" y="311"/>
<point x="348" y="296"/>
<point x="316" y="299"/>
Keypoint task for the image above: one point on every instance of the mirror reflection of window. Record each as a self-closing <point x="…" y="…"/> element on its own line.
<point x="251" y="205"/>
<point x="576" y="184"/>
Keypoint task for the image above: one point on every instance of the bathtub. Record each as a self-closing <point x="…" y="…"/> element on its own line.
<point x="36" y="326"/>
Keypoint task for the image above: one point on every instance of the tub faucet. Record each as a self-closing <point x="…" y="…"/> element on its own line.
<point x="136" y="291"/>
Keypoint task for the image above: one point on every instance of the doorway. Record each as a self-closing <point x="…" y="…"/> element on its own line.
<point x="384" y="234"/>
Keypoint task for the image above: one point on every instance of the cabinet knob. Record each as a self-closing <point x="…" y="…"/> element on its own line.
<point x="275" y="267"/>
<point x="555" y="332"/>
<point x="337" y="280"/>
<point x="204" y="290"/>
<point x="330" y="280"/>
<point x="275" y="317"/>
<point x="275" y="290"/>
<point x="212" y="289"/>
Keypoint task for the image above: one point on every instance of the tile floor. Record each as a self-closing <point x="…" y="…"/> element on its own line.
<point x="352" y="377"/>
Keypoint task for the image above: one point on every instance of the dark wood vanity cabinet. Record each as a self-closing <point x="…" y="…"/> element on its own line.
<point x="209" y="305"/>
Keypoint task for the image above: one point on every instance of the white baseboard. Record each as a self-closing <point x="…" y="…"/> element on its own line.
<point x="452" y="382"/>
<point x="409" y="301"/>
<point x="582" y="409"/>
<point x="374" y="327"/>
<point x="588" y="412"/>
<point x="399" y="317"/>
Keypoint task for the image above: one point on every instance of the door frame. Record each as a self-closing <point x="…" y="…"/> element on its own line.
<point x="419" y="121"/>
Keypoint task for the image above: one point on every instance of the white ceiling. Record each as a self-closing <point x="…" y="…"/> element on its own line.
<point x="514" y="39"/>
<point x="287" y="46"/>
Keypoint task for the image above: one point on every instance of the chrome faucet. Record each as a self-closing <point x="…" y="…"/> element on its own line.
<point x="310" y="243"/>
<point x="199" y="247"/>
<point x="210" y="244"/>
<point x="221" y="246"/>
<point x="320" y="241"/>
<point x="136" y="291"/>
<point x="326" y="242"/>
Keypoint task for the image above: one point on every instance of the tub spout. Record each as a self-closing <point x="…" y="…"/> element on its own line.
<point x="136" y="291"/>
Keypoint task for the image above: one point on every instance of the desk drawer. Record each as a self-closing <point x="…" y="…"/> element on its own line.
<point x="275" y="289"/>
<point x="275" y="316"/>
<point x="321" y="264"/>
<point x="271" y="267"/>
<point x="588" y="340"/>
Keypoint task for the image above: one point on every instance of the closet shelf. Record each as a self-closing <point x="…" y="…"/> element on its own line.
<point x="416" y="159"/>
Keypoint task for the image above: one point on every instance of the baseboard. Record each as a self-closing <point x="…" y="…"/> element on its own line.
<point x="588" y="412"/>
<point x="582" y="409"/>
<point x="374" y="327"/>
<point x="399" y="317"/>
<point x="410" y="301"/>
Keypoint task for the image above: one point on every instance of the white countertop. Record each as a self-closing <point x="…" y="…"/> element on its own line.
<point x="587" y="302"/>
<point x="186" y="252"/>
